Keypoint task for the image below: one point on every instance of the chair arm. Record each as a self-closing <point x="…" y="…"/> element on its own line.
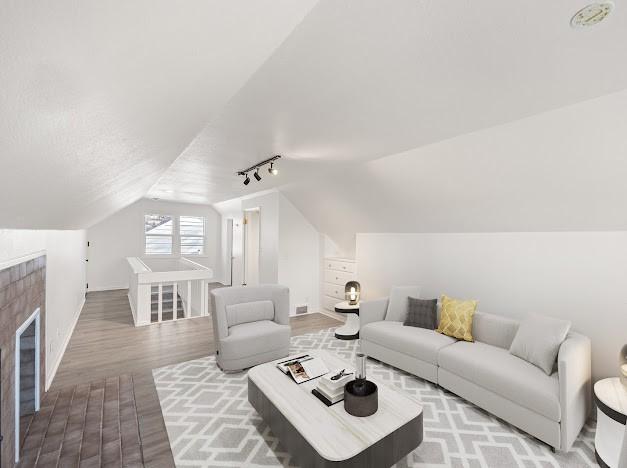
<point x="281" y="299"/>
<point x="575" y="386"/>
<point x="372" y="311"/>
<point x="218" y="317"/>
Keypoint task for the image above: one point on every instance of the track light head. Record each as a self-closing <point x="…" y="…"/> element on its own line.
<point x="257" y="176"/>
<point x="273" y="170"/>
<point x="247" y="180"/>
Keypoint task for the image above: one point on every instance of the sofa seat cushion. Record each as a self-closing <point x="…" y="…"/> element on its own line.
<point x="495" y="369"/>
<point x="416" y="342"/>
<point x="251" y="338"/>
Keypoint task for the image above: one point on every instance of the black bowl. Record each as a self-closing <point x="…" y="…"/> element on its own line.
<point x="361" y="397"/>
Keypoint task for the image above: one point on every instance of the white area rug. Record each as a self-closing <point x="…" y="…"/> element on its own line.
<point x="211" y="424"/>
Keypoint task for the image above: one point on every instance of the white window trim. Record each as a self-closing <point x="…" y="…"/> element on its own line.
<point x="203" y="237"/>
<point x="176" y="235"/>
<point x="174" y="231"/>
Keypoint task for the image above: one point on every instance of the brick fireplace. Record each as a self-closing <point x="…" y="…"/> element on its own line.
<point x="22" y="313"/>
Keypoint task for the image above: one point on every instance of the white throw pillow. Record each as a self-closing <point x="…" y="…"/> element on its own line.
<point x="538" y="340"/>
<point x="398" y="303"/>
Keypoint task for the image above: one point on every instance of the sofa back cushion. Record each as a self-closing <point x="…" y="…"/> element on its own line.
<point x="246" y="312"/>
<point x="494" y="330"/>
<point x="399" y="302"/>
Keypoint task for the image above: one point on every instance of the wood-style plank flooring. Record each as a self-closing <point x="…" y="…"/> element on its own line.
<point x="107" y="352"/>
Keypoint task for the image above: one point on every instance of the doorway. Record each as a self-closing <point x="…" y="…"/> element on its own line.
<point x="251" y="242"/>
<point x="27" y="375"/>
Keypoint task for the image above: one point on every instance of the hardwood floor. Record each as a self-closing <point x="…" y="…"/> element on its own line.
<point x="107" y="348"/>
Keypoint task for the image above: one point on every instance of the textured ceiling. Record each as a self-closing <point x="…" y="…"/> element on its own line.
<point x="99" y="98"/>
<point x="360" y="80"/>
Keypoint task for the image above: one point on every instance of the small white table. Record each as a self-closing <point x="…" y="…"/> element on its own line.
<point x="350" y="330"/>
<point x="610" y="397"/>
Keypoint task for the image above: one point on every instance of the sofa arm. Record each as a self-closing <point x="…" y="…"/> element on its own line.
<point x="575" y="387"/>
<point x="372" y="311"/>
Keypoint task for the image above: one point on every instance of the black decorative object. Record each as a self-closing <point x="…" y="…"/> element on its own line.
<point x="361" y="397"/>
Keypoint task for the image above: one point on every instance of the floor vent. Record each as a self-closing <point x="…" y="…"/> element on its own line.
<point x="301" y="309"/>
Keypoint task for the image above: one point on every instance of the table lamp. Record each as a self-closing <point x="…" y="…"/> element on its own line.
<point x="352" y="291"/>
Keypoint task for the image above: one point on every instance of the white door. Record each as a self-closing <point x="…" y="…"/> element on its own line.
<point x="237" y="265"/>
<point x="251" y="247"/>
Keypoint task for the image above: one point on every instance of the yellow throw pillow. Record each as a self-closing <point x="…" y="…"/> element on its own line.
<point x="456" y="318"/>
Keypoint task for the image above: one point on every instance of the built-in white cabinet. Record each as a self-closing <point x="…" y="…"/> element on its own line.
<point x="337" y="272"/>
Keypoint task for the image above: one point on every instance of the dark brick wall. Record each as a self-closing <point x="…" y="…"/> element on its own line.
<point x="22" y="291"/>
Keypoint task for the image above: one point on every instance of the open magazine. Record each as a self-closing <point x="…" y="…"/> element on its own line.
<point x="303" y="368"/>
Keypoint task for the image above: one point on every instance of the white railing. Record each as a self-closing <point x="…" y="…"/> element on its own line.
<point x="163" y="290"/>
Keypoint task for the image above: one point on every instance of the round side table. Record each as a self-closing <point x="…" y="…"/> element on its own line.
<point x="610" y="398"/>
<point x="350" y="330"/>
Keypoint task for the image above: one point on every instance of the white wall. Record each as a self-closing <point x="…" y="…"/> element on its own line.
<point x="299" y="257"/>
<point x="577" y="276"/>
<point x="121" y="235"/>
<point x="65" y="281"/>
<point x="290" y="247"/>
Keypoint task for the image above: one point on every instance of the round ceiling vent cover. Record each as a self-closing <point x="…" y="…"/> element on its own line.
<point x="591" y="14"/>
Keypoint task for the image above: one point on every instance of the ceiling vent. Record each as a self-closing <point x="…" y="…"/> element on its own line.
<point x="592" y="14"/>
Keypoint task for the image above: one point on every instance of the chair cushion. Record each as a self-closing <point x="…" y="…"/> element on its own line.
<point x="495" y="369"/>
<point x="456" y="318"/>
<point x="251" y="338"/>
<point x="246" y="312"/>
<point x="416" y="342"/>
<point x="397" y="304"/>
<point x="422" y="313"/>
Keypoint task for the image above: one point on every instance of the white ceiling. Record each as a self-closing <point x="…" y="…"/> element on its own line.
<point x="103" y="97"/>
<point x="99" y="98"/>
<point x="359" y="80"/>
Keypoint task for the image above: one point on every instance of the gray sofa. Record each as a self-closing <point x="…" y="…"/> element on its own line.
<point x="250" y="325"/>
<point x="552" y="408"/>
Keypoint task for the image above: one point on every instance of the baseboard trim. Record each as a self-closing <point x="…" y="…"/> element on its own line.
<point x="50" y="375"/>
<point x="106" y="288"/>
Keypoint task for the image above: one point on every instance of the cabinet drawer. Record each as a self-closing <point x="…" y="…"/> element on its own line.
<point x="334" y="290"/>
<point x="329" y="303"/>
<point x="337" y="277"/>
<point x="339" y="266"/>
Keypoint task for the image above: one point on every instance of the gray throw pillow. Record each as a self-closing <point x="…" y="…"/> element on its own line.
<point x="538" y="340"/>
<point x="422" y="313"/>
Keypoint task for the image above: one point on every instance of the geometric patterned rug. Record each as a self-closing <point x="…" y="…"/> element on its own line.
<point x="211" y="424"/>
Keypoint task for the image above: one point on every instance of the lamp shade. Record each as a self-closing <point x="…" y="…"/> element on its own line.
<point x="352" y="291"/>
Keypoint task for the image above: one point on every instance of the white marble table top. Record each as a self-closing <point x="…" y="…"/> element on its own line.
<point x="612" y="393"/>
<point x="331" y="431"/>
<point x="345" y="306"/>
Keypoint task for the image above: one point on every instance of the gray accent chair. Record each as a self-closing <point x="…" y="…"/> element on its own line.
<point x="250" y="325"/>
<point x="552" y="408"/>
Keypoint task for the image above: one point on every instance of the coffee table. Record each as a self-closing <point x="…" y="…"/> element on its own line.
<point x="321" y="436"/>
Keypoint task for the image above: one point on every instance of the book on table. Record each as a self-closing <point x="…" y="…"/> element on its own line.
<point x="331" y="385"/>
<point x="303" y="368"/>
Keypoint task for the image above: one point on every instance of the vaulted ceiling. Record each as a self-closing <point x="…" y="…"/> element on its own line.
<point x="111" y="102"/>
<point x="97" y="99"/>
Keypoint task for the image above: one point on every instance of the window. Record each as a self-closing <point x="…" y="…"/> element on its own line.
<point x="158" y="230"/>
<point x="192" y="233"/>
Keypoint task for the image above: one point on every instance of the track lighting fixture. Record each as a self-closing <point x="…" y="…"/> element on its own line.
<point x="272" y="170"/>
